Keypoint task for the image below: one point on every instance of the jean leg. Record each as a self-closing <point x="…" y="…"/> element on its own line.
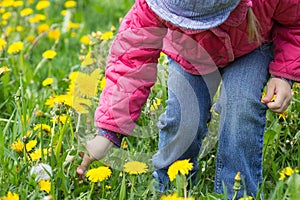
<point x="183" y="125"/>
<point x="242" y="122"/>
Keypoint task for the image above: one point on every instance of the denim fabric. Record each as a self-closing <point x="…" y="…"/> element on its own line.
<point x="242" y="121"/>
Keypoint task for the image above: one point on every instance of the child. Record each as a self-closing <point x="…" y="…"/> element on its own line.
<point x="206" y="41"/>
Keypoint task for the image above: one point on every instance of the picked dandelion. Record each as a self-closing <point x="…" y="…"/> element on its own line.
<point x="135" y="167"/>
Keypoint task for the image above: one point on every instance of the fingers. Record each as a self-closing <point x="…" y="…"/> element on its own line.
<point x="86" y="161"/>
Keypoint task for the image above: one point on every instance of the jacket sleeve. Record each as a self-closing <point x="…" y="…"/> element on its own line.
<point x="131" y="69"/>
<point x="286" y="38"/>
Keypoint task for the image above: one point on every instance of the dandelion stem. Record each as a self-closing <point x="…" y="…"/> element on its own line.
<point x="92" y="190"/>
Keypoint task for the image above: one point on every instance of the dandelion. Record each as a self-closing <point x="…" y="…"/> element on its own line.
<point x="175" y="197"/>
<point x="43" y="28"/>
<point x="135" y="167"/>
<point x="54" y="34"/>
<point x="49" y="54"/>
<point x="247" y="198"/>
<point x="43" y="127"/>
<point x="85" y="39"/>
<point x="87" y="84"/>
<point x="107" y="36"/>
<point x="102" y="83"/>
<point x="26" y="12"/>
<point x="286" y="172"/>
<point x="7" y="3"/>
<point x="47" y="82"/>
<point x="30" y="145"/>
<point x="12" y="196"/>
<point x="63" y="12"/>
<point x="264" y="94"/>
<point x="30" y="38"/>
<point x="18" y="4"/>
<point x="3" y="71"/>
<point x="98" y="174"/>
<point x="37" y="154"/>
<point x="45" y="185"/>
<point x="15" y="47"/>
<point x="181" y="166"/>
<point x="61" y="119"/>
<point x="70" y="4"/>
<point x="19" y="28"/>
<point x="73" y="25"/>
<point x="2" y="44"/>
<point x="42" y="5"/>
<point x="18" y="146"/>
<point x="37" y="18"/>
<point x="282" y="115"/>
<point x="6" y="16"/>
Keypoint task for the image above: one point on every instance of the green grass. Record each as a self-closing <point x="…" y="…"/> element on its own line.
<point x="22" y="95"/>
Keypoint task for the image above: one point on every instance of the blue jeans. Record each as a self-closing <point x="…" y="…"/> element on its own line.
<point x="242" y="121"/>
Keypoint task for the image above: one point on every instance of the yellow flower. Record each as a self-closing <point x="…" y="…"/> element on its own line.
<point x="18" y="3"/>
<point x="62" y="119"/>
<point x="49" y="54"/>
<point x="3" y="70"/>
<point x="98" y="174"/>
<point x="2" y="44"/>
<point x="26" y="12"/>
<point x="18" y="146"/>
<point x="15" y="47"/>
<point x="19" y="28"/>
<point x="63" y="12"/>
<point x="42" y="5"/>
<point x="30" y="38"/>
<point x="264" y="94"/>
<point x="4" y="22"/>
<point x="37" y="154"/>
<point x="43" y="28"/>
<point x="288" y="171"/>
<point x="135" y="167"/>
<point x="7" y="3"/>
<point x="47" y="82"/>
<point x="282" y="115"/>
<point x="30" y="145"/>
<point x="54" y="34"/>
<point x="6" y="15"/>
<point x="106" y="36"/>
<point x="181" y="166"/>
<point x="45" y="185"/>
<point x="88" y="59"/>
<point x="108" y="187"/>
<point x="70" y="4"/>
<point x="73" y="25"/>
<point x="43" y="127"/>
<point x="102" y="83"/>
<point x="37" y="18"/>
<point x="247" y="198"/>
<point x="85" y="39"/>
<point x="12" y="196"/>
<point x="175" y="197"/>
<point x="155" y="104"/>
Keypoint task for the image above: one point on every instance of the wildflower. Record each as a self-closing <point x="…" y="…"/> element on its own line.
<point x="18" y="146"/>
<point x="175" y="197"/>
<point x="135" y="167"/>
<point x="30" y="38"/>
<point x="30" y="145"/>
<point x="26" y="12"/>
<point x="37" y="18"/>
<point x="42" y="5"/>
<point x="282" y="115"/>
<point x="247" y="198"/>
<point x="106" y="36"/>
<point x="264" y="94"/>
<point x="155" y="104"/>
<point x="15" y="47"/>
<point x="39" y="113"/>
<point x="6" y="16"/>
<point x="88" y="60"/>
<point x="108" y="187"/>
<point x="41" y="172"/>
<point x="18" y="4"/>
<point x="4" y="22"/>
<point x="85" y="39"/>
<point x="73" y="25"/>
<point x="181" y="166"/>
<point x="2" y="44"/>
<point x="43" y="127"/>
<point x="124" y="144"/>
<point x="102" y="83"/>
<point x="54" y="34"/>
<point x="47" y="82"/>
<point x="37" y="154"/>
<point x="3" y="70"/>
<point x="98" y="174"/>
<point x="87" y="84"/>
<point x="43" y="28"/>
<point x="19" y="28"/>
<point x="7" y="3"/>
<point x="12" y="196"/>
<point x="45" y="185"/>
<point x="63" y="12"/>
<point x="61" y="118"/>
<point x="70" y="4"/>
<point x="288" y="171"/>
<point x="49" y="54"/>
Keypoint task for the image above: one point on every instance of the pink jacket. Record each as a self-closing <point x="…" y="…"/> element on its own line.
<point x="132" y="62"/>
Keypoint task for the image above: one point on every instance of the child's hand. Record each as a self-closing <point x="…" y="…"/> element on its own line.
<point x="97" y="148"/>
<point x="283" y="92"/>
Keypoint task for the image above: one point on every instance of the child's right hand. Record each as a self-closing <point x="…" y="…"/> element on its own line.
<point x="97" y="148"/>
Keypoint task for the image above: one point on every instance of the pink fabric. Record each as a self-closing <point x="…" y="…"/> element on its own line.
<point x="131" y="66"/>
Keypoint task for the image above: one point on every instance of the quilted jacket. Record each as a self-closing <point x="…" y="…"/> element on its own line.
<point x="132" y="63"/>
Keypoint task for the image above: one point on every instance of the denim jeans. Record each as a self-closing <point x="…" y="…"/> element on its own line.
<point x="242" y="121"/>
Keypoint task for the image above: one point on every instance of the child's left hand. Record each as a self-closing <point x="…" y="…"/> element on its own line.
<point x="283" y="92"/>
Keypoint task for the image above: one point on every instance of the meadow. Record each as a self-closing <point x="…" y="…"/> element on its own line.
<point x="52" y="65"/>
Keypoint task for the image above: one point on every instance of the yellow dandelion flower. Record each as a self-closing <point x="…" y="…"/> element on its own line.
<point x="286" y="172"/>
<point x="63" y="12"/>
<point x="80" y="105"/>
<point x="108" y="187"/>
<point x="6" y="16"/>
<point x="85" y="40"/>
<point x="43" y="28"/>
<point x="282" y="115"/>
<point x="98" y="174"/>
<point x="88" y="59"/>
<point x="18" y="146"/>
<point x="43" y="127"/>
<point x="26" y="12"/>
<point x="181" y="166"/>
<point x="15" y="47"/>
<point x="19" y="28"/>
<point x="87" y="84"/>
<point x="11" y="196"/>
<point x="264" y="94"/>
<point x="102" y="83"/>
<point x="175" y="197"/>
<point x="247" y="198"/>
<point x="73" y="25"/>
<point x="4" y="70"/>
<point x="37" y="154"/>
<point x="47" y="82"/>
<point x="54" y="34"/>
<point x="30" y="38"/>
<point x="18" y="4"/>
<point x="42" y="5"/>
<point x="4" y="22"/>
<point x="30" y="145"/>
<point x="70" y="4"/>
<point x="7" y="3"/>
<point x="155" y="104"/>
<point x="49" y="54"/>
<point x="45" y="185"/>
<point x="2" y="44"/>
<point x="135" y="167"/>
<point x="61" y="119"/>
<point x="37" y="18"/>
<point x="107" y="35"/>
